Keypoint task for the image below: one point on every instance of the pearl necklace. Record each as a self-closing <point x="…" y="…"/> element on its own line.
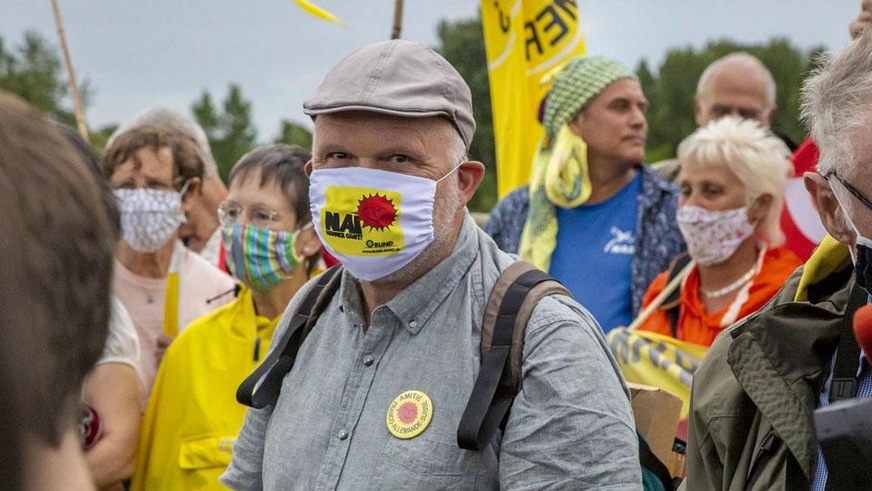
<point x="732" y="286"/>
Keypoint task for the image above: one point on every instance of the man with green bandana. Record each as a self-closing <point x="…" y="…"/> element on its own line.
<point x="593" y="216"/>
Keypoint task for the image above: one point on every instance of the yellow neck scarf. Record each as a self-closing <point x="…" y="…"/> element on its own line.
<point x="560" y="178"/>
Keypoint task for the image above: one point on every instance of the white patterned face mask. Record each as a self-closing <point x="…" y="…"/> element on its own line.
<point x="713" y="236"/>
<point x="149" y="217"/>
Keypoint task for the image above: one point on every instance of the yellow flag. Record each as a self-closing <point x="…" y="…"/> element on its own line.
<point x="525" y="40"/>
<point x="318" y="12"/>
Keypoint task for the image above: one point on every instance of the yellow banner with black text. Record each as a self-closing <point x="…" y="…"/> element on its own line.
<point x="524" y="40"/>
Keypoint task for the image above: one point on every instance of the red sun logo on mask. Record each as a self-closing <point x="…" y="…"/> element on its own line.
<point x="376" y="211"/>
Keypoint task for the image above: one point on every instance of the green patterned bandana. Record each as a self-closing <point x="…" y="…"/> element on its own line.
<point x="582" y="79"/>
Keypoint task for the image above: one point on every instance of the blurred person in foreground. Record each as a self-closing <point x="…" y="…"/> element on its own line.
<point x="57" y="246"/>
<point x="193" y="418"/>
<point x="393" y="122"/>
<point x="594" y="216"/>
<point x="156" y="175"/>
<point x="753" y="396"/>
<point x="111" y="398"/>
<point x="200" y="231"/>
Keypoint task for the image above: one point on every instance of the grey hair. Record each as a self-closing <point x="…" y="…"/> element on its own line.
<point x="759" y="159"/>
<point x="748" y="60"/>
<point x="458" y="148"/>
<point x="836" y="104"/>
<point x="175" y="121"/>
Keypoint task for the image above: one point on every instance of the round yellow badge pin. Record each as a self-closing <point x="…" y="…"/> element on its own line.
<point x="409" y="414"/>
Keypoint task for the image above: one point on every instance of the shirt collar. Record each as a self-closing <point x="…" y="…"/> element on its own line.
<point x="437" y="283"/>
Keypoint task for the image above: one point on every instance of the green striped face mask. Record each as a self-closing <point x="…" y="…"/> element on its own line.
<point x="259" y="257"/>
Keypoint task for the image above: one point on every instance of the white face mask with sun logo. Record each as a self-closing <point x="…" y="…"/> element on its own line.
<point x="373" y="221"/>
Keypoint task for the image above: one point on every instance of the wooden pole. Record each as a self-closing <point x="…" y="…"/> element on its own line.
<point x="71" y="76"/>
<point x="398" y="19"/>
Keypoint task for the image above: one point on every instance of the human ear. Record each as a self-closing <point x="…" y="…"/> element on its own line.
<point x="759" y="208"/>
<point x="698" y="114"/>
<point x="831" y="213"/>
<point x="308" y="168"/>
<point x="469" y="176"/>
<point x="771" y="116"/>
<point x="307" y="243"/>
<point x="576" y="122"/>
<point x="193" y="189"/>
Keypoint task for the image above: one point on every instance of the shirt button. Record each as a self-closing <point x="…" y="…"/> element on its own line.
<point x="367" y="360"/>
<point x="342" y="435"/>
<point x="413" y="324"/>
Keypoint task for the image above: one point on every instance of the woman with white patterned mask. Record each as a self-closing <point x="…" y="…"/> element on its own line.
<point x="732" y="182"/>
<point x="156" y="175"/>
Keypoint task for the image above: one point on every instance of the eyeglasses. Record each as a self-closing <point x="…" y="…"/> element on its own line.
<point x="230" y="212"/>
<point x="851" y="189"/>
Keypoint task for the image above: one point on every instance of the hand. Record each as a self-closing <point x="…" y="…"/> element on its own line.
<point x="163" y="342"/>
<point x="863" y="20"/>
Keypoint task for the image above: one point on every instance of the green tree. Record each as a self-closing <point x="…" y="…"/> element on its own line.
<point x="462" y="44"/>
<point x="32" y="70"/>
<point x="99" y="137"/>
<point x="671" y="90"/>
<point x="294" y="133"/>
<point x="230" y="131"/>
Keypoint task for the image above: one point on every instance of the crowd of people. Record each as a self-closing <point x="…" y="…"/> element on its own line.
<point x="326" y="320"/>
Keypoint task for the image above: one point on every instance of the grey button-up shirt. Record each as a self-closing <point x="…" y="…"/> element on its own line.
<point x="570" y="427"/>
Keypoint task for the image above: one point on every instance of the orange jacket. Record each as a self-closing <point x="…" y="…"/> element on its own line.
<point x="697" y="326"/>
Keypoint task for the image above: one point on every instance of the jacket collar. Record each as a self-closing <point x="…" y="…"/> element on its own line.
<point x="654" y="187"/>
<point x="780" y="356"/>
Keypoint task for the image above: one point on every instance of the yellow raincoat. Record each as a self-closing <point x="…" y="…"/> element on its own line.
<point x="192" y="417"/>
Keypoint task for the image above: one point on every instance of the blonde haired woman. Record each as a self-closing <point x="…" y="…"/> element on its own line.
<point x="732" y="182"/>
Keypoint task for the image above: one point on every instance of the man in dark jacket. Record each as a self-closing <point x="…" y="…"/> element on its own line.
<point x="753" y="397"/>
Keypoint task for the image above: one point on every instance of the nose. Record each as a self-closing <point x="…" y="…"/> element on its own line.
<point x="690" y="199"/>
<point x="369" y="163"/>
<point x="637" y="118"/>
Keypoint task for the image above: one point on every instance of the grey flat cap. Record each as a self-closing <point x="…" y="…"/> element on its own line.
<point x="399" y="78"/>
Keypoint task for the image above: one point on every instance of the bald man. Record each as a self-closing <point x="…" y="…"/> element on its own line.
<point x="737" y="84"/>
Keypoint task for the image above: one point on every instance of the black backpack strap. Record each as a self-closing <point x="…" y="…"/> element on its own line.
<point x="844" y="384"/>
<point x="672" y="303"/>
<point x="262" y="387"/>
<point x="510" y="305"/>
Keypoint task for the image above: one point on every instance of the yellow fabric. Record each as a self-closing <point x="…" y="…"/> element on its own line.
<point x="566" y="177"/>
<point x="192" y="417"/>
<point x="829" y="256"/>
<point x="524" y="40"/>
<point x="654" y="359"/>
<point x="171" y="306"/>
<point x="560" y="177"/>
<point x="318" y="12"/>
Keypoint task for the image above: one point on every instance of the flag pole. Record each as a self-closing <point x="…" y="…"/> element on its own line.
<point x="398" y="19"/>
<point x="71" y="76"/>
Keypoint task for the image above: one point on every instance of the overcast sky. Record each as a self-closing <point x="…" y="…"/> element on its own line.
<point x="144" y="53"/>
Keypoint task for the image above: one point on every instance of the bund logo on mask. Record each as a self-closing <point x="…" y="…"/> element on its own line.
<point x="362" y="221"/>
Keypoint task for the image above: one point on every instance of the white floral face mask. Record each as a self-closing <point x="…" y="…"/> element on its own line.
<point x="713" y="236"/>
<point x="149" y="217"/>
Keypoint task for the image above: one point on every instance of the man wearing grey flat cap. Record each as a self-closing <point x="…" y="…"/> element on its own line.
<point x="378" y="387"/>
